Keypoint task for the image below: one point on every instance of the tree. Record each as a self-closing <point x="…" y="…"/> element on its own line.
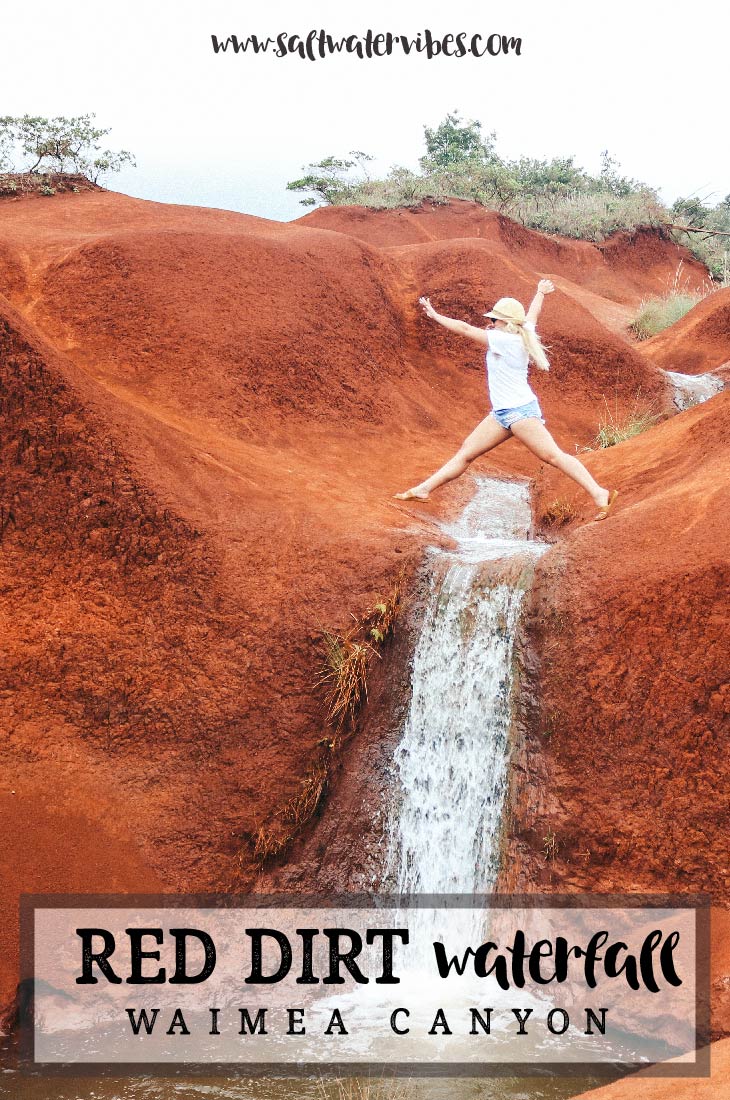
<point x="454" y="143"/>
<point x="329" y="179"/>
<point x="691" y="209"/>
<point x="6" y="144"/>
<point x="61" y="144"/>
<point x="550" y="177"/>
<point x="611" y="179"/>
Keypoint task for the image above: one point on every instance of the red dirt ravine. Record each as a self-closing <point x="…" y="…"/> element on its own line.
<point x="205" y="417"/>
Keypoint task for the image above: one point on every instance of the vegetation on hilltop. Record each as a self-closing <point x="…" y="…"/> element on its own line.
<point x="44" y="146"/>
<point x="553" y="196"/>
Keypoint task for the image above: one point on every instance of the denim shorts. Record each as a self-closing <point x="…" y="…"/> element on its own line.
<point x="508" y="417"/>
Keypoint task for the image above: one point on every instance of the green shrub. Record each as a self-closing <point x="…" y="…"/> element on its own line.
<point x="36" y="144"/>
<point x="552" y="196"/>
<point x="662" y="310"/>
<point x="588" y="216"/>
<point x="591" y="216"/>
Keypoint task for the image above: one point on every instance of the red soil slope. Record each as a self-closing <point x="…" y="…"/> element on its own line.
<point x="630" y="618"/>
<point x="206" y="415"/>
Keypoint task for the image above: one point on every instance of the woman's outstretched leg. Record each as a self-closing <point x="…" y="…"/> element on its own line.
<point x="537" y="438"/>
<point x="485" y="437"/>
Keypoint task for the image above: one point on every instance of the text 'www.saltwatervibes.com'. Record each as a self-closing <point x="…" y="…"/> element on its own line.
<point x="318" y="44"/>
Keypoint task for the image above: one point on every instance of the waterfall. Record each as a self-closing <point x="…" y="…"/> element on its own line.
<point x="452" y="760"/>
<point x="693" y="389"/>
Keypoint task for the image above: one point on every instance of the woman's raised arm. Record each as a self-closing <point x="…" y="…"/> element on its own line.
<point x="459" y="327"/>
<point x="543" y="287"/>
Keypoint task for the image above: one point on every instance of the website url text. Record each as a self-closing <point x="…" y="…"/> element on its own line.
<point x="318" y="44"/>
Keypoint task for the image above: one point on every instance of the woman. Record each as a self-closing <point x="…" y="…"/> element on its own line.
<point x="511" y="343"/>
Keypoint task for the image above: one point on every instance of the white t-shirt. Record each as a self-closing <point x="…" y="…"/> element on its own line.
<point x="507" y="363"/>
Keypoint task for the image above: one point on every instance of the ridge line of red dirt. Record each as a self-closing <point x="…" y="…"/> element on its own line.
<point x="645" y="248"/>
<point x="601" y="277"/>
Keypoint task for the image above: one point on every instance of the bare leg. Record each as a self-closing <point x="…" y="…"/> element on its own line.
<point x="537" y="438"/>
<point x="485" y="437"/>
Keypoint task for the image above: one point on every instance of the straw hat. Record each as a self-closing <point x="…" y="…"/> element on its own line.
<point x="508" y="309"/>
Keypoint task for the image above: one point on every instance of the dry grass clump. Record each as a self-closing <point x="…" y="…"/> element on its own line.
<point x="343" y="674"/>
<point x="551" y="846"/>
<point x="304" y="804"/>
<point x="347" y="658"/>
<point x="269" y="842"/>
<point x="612" y="431"/>
<point x="616" y="427"/>
<point x="558" y="514"/>
<point x="380" y="620"/>
<point x="272" y="839"/>
<point x="588" y="216"/>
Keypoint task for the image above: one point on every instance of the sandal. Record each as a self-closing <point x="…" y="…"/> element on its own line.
<point x="603" y="512"/>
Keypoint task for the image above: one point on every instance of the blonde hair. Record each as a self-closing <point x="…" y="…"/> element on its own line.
<point x="531" y="340"/>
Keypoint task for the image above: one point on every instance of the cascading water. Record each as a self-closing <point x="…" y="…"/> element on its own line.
<point x="693" y="389"/>
<point x="452" y="760"/>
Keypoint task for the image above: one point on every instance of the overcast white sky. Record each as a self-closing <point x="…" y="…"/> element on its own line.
<point x="643" y="79"/>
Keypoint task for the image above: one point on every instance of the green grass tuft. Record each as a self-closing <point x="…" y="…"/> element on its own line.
<point x="656" y="314"/>
<point x="662" y="310"/>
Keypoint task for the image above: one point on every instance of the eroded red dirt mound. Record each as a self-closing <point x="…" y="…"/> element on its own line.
<point x="417" y="225"/>
<point x="633" y="708"/>
<point x="159" y="678"/>
<point x="699" y="342"/>
<point x="239" y="326"/>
